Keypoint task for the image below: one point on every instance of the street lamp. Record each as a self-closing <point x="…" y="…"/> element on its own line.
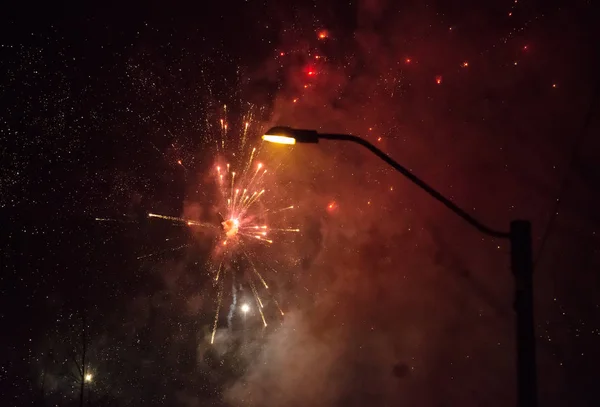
<point x="245" y="308"/>
<point x="521" y="261"/>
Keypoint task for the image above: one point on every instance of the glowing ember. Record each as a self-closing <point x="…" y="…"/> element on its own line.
<point x="231" y="227"/>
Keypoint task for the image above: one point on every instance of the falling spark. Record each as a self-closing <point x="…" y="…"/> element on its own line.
<point x="258" y="303"/>
<point x="219" y="300"/>
<point x="278" y="307"/>
<point x="262" y="280"/>
<point x="219" y="272"/>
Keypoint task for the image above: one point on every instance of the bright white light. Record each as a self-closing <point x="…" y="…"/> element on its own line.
<point x="88" y="377"/>
<point x="278" y="139"/>
<point x="245" y="308"/>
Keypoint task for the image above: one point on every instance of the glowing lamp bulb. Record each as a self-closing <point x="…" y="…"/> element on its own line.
<point x="279" y="139"/>
<point x="88" y="377"/>
<point x="245" y="308"/>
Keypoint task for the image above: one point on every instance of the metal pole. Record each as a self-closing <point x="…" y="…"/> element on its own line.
<point x="521" y="261"/>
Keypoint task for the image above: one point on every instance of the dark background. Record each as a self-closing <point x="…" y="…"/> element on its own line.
<point x="389" y="299"/>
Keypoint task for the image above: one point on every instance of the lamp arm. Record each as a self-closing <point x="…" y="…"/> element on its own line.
<point x="420" y="183"/>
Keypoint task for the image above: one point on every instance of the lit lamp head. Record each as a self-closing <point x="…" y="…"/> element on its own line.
<point x="287" y="135"/>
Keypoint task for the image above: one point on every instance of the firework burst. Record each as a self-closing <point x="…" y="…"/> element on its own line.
<point x="244" y="209"/>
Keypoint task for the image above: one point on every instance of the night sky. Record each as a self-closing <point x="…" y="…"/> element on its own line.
<point x="384" y="297"/>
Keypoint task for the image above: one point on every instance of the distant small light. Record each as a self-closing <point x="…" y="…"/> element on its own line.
<point x="438" y="79"/>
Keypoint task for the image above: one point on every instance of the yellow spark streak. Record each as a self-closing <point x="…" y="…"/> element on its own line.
<point x="179" y="220"/>
<point x="258" y="302"/>
<point x="219" y="299"/>
<point x="277" y="210"/>
<point x="278" y="307"/>
<point x="257" y="296"/>
<point x="231" y="199"/>
<point x="249" y="163"/>
<point x="262" y="280"/>
<point x="195" y="223"/>
<point x="218" y="272"/>
<point x="173" y="218"/>
<point x="242" y="197"/>
<point x="253" y="199"/>
<point x="232" y="180"/>
<point x="258" y="237"/>
<point x="258" y="167"/>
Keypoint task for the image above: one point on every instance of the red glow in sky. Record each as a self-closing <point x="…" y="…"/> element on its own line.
<point x="310" y="70"/>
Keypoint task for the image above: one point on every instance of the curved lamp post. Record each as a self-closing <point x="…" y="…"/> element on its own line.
<point x="521" y="261"/>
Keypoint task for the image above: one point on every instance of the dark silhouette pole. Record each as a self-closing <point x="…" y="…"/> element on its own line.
<point x="521" y="261"/>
